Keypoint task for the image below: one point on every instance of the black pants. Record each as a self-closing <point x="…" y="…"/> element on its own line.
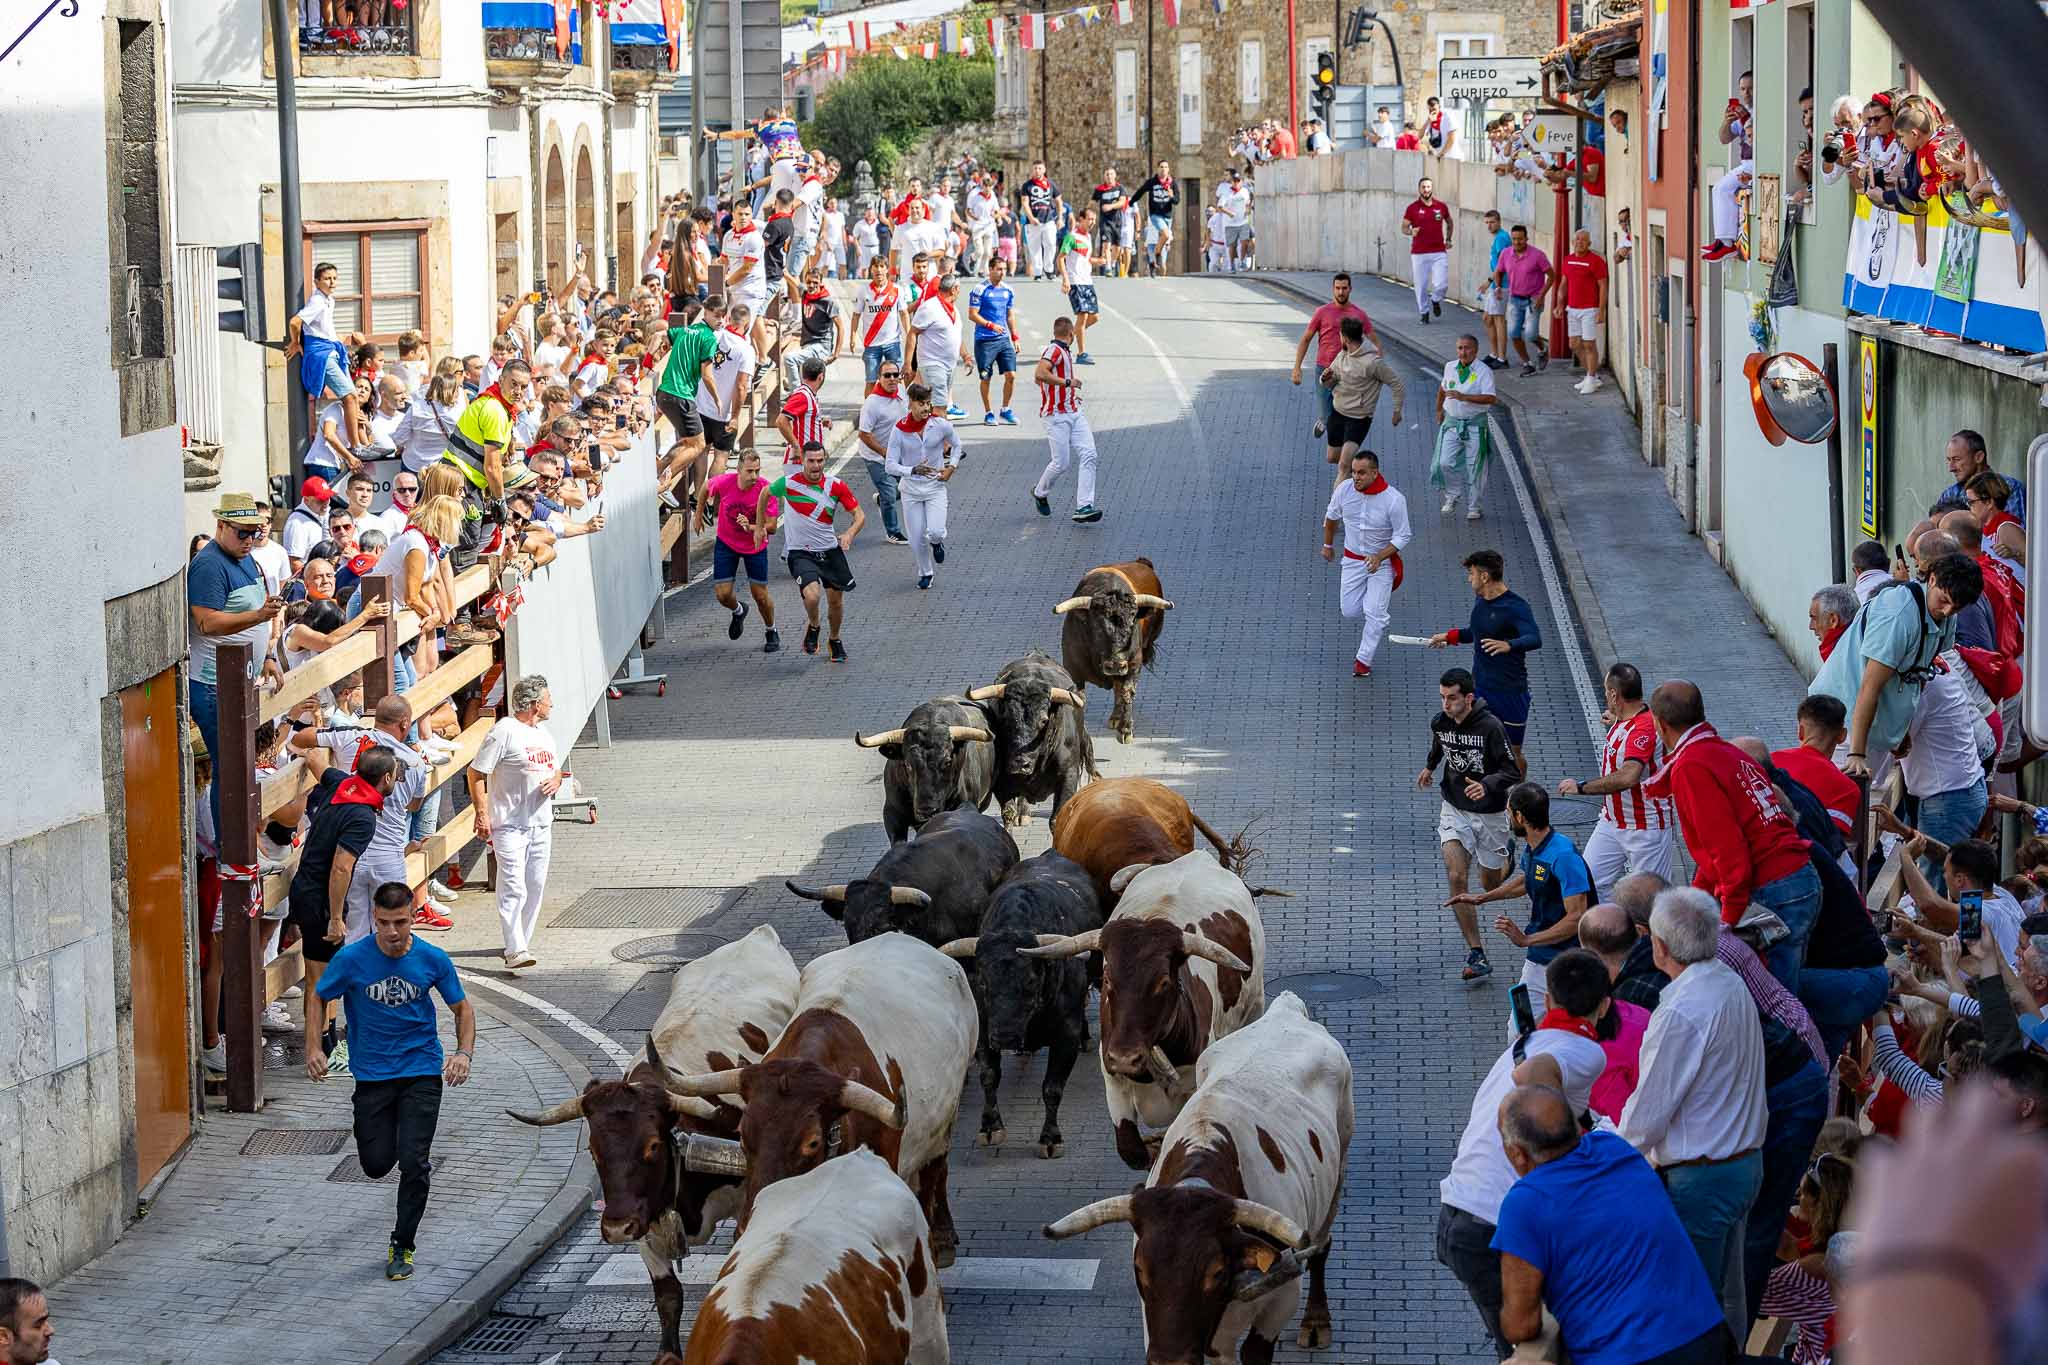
<point x="1464" y="1246"/>
<point x="395" y="1127"/>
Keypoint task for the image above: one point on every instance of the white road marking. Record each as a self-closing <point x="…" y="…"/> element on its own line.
<point x="555" y="1012"/>
<point x="1180" y="390"/>
<point x="1025" y="1274"/>
<point x="1553" y="587"/>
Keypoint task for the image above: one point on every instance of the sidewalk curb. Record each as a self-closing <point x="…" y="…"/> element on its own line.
<point x="448" y="1323"/>
<point x="1571" y="562"/>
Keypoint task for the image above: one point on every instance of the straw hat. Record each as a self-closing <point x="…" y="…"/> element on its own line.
<point x="241" y="508"/>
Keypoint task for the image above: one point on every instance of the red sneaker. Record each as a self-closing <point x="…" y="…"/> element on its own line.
<point x="431" y="920"/>
<point x="454" y="878"/>
<point x="1360" y="670"/>
<point x="1714" y="251"/>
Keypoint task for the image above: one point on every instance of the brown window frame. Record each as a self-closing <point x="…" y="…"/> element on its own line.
<point x="362" y="232"/>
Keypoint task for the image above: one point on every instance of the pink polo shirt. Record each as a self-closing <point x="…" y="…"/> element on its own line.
<point x="1526" y="271"/>
<point x="1624" y="1060"/>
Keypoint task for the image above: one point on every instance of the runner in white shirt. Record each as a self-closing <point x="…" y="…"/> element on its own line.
<point x="732" y="372"/>
<point x="937" y="325"/>
<point x="981" y="225"/>
<point x="746" y="280"/>
<point x="834" y="241"/>
<point x="919" y="234"/>
<point x="867" y="239"/>
<point x="1234" y="197"/>
<point x="1219" y="241"/>
<point x="879" y="414"/>
<point x="940" y="203"/>
<point x="1374" y="516"/>
<point x="923" y="455"/>
<point x="512" y="785"/>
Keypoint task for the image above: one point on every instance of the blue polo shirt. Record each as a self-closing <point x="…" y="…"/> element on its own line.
<point x="1501" y="242"/>
<point x="1619" y="1273"/>
<point x="992" y="301"/>
<point x="1551" y="871"/>
<point x="391" y="1026"/>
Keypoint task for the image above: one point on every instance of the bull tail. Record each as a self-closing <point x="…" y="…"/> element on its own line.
<point x="1234" y="854"/>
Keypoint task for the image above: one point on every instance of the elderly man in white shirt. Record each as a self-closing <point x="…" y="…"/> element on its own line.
<point x="1698" y="1110"/>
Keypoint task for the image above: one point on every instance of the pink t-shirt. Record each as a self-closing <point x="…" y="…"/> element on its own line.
<point x="1526" y="271"/>
<point x="1624" y="1060"/>
<point x="1326" y="320"/>
<point x="733" y="503"/>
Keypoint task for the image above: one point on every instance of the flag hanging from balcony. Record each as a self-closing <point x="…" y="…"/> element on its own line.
<point x="1090" y="17"/>
<point x="967" y="47"/>
<point x="1747" y="4"/>
<point x="1172" y="8"/>
<point x="1123" y="11"/>
<point x="995" y="35"/>
<point x="1030" y="31"/>
<point x="859" y="34"/>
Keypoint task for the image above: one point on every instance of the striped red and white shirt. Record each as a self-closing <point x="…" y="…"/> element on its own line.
<point x="1057" y="398"/>
<point x="806" y="418"/>
<point x="1635" y="738"/>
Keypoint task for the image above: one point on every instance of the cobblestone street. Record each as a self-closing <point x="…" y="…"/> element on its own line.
<point x="745" y="773"/>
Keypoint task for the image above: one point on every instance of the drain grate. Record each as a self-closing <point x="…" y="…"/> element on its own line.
<point x="350" y="1172"/>
<point x="295" y="1142"/>
<point x="671" y="950"/>
<point x="1326" y="988"/>
<point x="647" y="907"/>
<point x="641" y="1005"/>
<point x="498" y="1334"/>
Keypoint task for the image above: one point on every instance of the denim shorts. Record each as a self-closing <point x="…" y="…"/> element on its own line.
<point x="335" y="383"/>
<point x="725" y="562"/>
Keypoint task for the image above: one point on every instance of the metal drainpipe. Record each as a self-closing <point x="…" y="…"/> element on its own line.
<point x="1151" y="105"/>
<point x="610" y="198"/>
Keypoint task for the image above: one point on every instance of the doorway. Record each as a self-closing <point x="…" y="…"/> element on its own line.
<point x="159" y="974"/>
<point x="506" y="253"/>
<point x="1659" y="349"/>
<point x="1193" y="232"/>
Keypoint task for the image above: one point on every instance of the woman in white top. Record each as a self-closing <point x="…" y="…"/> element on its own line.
<point x="923" y="455"/>
<point x="416" y="559"/>
<point x="423" y="437"/>
<point x="319" y="628"/>
<point x="551" y="350"/>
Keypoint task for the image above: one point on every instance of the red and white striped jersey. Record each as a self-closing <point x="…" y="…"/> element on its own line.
<point x="806" y="418"/>
<point x="1635" y="738"/>
<point x="1056" y="398"/>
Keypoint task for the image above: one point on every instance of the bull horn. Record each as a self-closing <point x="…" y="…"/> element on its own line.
<point x="974" y="732"/>
<point x="1062" y="697"/>
<point x="1197" y="946"/>
<point x="1269" y="1223"/>
<point x="1163" y="1069"/>
<point x="568" y="1111"/>
<point x="1253" y="1285"/>
<point x="910" y="895"/>
<point x="654" y="1060"/>
<point x="1115" y="1209"/>
<point x="1073" y="604"/>
<point x="1146" y="599"/>
<point x="959" y="947"/>
<point x="1258" y="891"/>
<point x="834" y="892"/>
<point x="993" y="692"/>
<point x="708" y="1086"/>
<point x="860" y="1099"/>
<point x="1123" y="876"/>
<point x="1071" y="946"/>
<point x="713" y="1155"/>
<point x="877" y="741"/>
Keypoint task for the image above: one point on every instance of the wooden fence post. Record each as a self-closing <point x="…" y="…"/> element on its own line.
<point x="379" y="675"/>
<point x="241" y="817"/>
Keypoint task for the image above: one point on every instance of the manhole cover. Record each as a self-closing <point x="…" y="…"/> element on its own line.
<point x="295" y="1142"/>
<point x="1569" y="812"/>
<point x="669" y="949"/>
<point x="640" y="1006"/>
<point x="646" y="907"/>
<point x="1325" y="988"/>
<point x="350" y="1172"/>
<point x="498" y="1334"/>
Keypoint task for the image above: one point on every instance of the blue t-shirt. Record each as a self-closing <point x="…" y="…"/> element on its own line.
<point x="1894" y="630"/>
<point x="1506" y="617"/>
<point x="1619" y="1273"/>
<point x="391" y="1031"/>
<point x="217" y="580"/>
<point x="992" y="301"/>
<point x="1501" y="242"/>
<point x="1550" y="872"/>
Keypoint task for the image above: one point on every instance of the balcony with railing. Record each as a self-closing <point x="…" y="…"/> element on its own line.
<point x="532" y="41"/>
<point x="370" y="28"/>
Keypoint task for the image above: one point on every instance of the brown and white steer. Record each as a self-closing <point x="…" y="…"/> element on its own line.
<point x="874" y="1057"/>
<point x="724" y="1010"/>
<point x="833" y="1269"/>
<point x="1183" y="964"/>
<point x="1243" y="1196"/>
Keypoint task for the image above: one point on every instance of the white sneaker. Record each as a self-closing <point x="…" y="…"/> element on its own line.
<point x="514" y="961"/>
<point x="1591" y="384"/>
<point x="1450" y="504"/>
<point x="215" y="1058"/>
<point x="1472" y="512"/>
<point x="292" y="992"/>
<point x="278" y="1019"/>
<point x="439" y="890"/>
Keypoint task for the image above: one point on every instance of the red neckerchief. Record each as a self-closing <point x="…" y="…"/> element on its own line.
<point x="1571" y="1023"/>
<point x="732" y="331"/>
<point x="433" y="545"/>
<point x="932" y="292"/>
<point x="773" y="216"/>
<point x="913" y="425"/>
<point x="499" y="394"/>
<point x="813" y="298"/>
<point x="1165" y="183"/>
<point x="882" y="299"/>
<point x="1378" y="485"/>
<point x="353" y="791"/>
<point x="1827" y="641"/>
<point x="591" y="357"/>
<point x="1436" y="121"/>
<point x="1040" y="181"/>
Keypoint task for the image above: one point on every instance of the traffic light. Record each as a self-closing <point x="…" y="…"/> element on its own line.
<point x="241" y="285"/>
<point x="1324" y="92"/>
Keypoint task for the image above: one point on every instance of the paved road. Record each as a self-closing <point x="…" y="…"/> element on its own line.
<point x="745" y="773"/>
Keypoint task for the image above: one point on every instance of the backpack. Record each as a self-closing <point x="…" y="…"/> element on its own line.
<point x="1918" y="675"/>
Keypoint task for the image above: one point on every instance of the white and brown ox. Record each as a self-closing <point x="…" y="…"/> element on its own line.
<point x="723" y="1011"/>
<point x="1243" y="1196"/>
<point x="833" y="1269"/>
<point x="1183" y="964"/>
<point x="874" y="1057"/>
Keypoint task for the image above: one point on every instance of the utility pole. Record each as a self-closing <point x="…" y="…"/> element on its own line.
<point x="291" y="226"/>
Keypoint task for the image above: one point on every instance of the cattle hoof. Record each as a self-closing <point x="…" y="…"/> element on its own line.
<point x="990" y="1137"/>
<point x="1313" y="1336"/>
<point x="943" y="1253"/>
<point x="1051" y="1151"/>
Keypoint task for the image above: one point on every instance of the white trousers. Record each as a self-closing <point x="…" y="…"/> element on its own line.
<point x="1039" y="241"/>
<point x="522" y="856"/>
<point x="1728" y="213"/>
<point x="1432" y="278"/>
<point x="981" y="245"/>
<point x="1613" y="853"/>
<point x="1071" y="441"/>
<point x="924" y="521"/>
<point x="1363" y="594"/>
<point x="1459" y="453"/>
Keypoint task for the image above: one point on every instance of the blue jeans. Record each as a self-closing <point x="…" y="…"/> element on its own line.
<point x="1947" y="817"/>
<point x="1713" y="1203"/>
<point x="873" y="356"/>
<point x="1840" y="998"/>
<point x="206" y="715"/>
<point x="885" y="496"/>
<point x="1798" y="1105"/>
<point x="1326" y="402"/>
<point x="1525" y="317"/>
<point x="403" y="674"/>
<point x="1794" y="899"/>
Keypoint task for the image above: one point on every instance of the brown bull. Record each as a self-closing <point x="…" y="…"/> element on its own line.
<point x="1115" y="823"/>
<point x="1111" y="630"/>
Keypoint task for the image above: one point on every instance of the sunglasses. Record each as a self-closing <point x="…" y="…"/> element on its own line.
<point x="890" y="374"/>
<point x="245" y="532"/>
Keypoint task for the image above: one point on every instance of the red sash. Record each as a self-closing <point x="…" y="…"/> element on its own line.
<point x="887" y="306"/>
<point x="1570" y="1023"/>
<point x="1400" y="572"/>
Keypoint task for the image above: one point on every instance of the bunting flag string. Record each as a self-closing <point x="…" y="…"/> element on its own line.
<point x="1172" y="12"/>
<point x="1123" y="11"/>
<point x="1031" y="32"/>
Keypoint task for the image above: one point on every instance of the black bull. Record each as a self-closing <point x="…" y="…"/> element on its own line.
<point x="934" y="888"/>
<point x="1042" y="743"/>
<point x="942" y="758"/>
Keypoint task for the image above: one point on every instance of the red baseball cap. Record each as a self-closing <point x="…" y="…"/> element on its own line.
<point x="316" y="489"/>
<point x="361" y="565"/>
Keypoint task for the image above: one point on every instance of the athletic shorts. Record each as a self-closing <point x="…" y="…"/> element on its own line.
<point x="994" y="353"/>
<point x="1006" y="249"/>
<point x="1485" y="837"/>
<point x="1111" y="232"/>
<point x="311" y="921"/>
<point x="1513" y="710"/>
<point x="1493" y="301"/>
<point x="821" y="566"/>
<point x="1081" y="298"/>
<point x="1582" y="324"/>
<point x="1343" y="428"/>
<point x="717" y="433"/>
<point x="681" y="414"/>
<point x="725" y="562"/>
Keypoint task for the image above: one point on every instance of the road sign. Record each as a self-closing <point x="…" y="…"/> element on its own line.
<point x="1549" y="133"/>
<point x="1478" y="79"/>
<point x="754" y="52"/>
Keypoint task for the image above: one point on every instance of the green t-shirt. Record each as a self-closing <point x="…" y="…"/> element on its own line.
<point x="688" y="349"/>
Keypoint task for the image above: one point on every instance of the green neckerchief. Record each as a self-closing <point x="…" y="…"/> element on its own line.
<point x="1464" y="373"/>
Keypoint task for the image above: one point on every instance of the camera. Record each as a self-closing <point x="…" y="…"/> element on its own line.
<point x="1831" y="147"/>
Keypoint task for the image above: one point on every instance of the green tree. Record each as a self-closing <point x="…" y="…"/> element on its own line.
<point x="883" y="106"/>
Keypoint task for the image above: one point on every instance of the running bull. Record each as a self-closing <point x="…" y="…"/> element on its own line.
<point x="1243" y="1196"/>
<point x="934" y="887"/>
<point x="724" y="1010"/>
<point x="833" y="1266"/>
<point x="875" y="1057"/>
<point x="1030" y="1003"/>
<point x="942" y="758"/>
<point x="1042" y="743"/>
<point x="1112" y="630"/>
<point x="1183" y="964"/>
<point x="1110" y="825"/>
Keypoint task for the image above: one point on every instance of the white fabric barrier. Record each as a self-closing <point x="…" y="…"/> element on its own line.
<point x="583" y="613"/>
